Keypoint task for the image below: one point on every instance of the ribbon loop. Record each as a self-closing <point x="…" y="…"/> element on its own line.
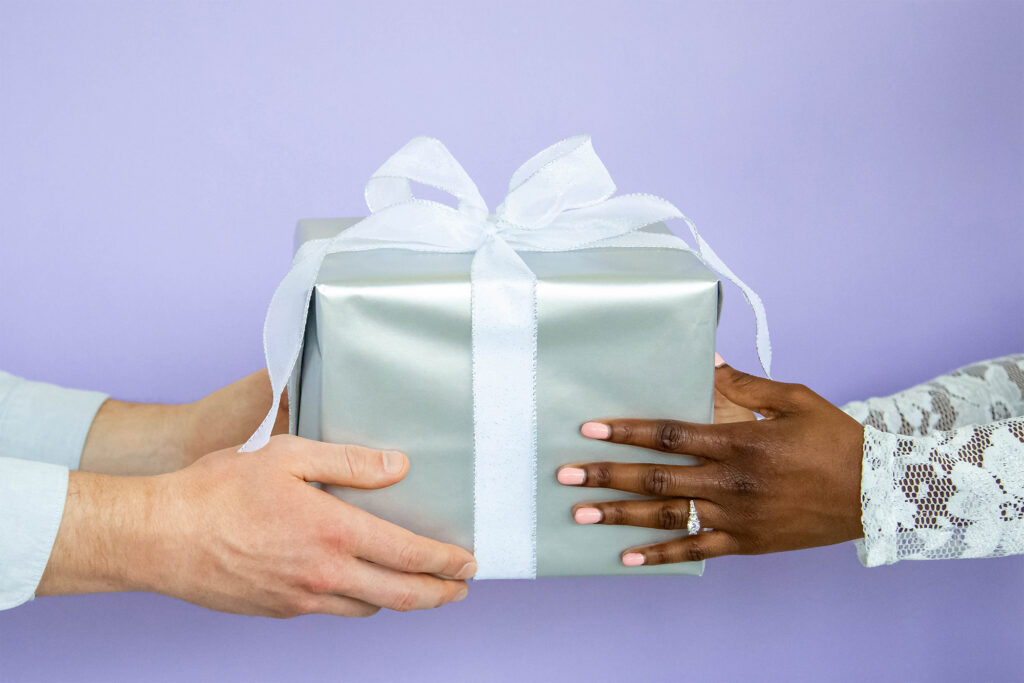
<point x="427" y="161"/>
<point x="567" y="175"/>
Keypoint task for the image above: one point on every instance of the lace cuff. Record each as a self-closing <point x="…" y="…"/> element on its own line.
<point x="953" y="494"/>
<point x="878" y="494"/>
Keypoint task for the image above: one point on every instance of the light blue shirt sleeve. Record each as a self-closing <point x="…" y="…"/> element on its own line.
<point x="42" y="431"/>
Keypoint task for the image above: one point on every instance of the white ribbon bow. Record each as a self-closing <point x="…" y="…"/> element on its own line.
<point x="560" y="200"/>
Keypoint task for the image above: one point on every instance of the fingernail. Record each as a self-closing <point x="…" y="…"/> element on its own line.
<point x="467" y="570"/>
<point x="587" y="516"/>
<point x="632" y="559"/>
<point x="571" y="476"/>
<point x="392" y="461"/>
<point x="719" y="361"/>
<point x="461" y="595"/>
<point x="596" y="430"/>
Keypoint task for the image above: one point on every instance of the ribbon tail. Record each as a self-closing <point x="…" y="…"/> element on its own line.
<point x="761" y="338"/>
<point x="504" y="340"/>
<point x="283" y="330"/>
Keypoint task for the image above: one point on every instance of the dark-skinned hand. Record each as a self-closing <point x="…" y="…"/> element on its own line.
<point x="789" y="481"/>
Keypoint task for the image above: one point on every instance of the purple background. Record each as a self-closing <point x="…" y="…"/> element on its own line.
<point x="858" y="163"/>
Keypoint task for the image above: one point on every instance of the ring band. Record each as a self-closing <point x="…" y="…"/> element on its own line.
<point x="693" y="522"/>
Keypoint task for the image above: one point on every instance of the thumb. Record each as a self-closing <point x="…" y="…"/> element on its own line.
<point x="347" y="464"/>
<point x="761" y="395"/>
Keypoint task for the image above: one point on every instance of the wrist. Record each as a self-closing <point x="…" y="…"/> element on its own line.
<point x="160" y="537"/>
<point x="855" y="460"/>
<point x="196" y="427"/>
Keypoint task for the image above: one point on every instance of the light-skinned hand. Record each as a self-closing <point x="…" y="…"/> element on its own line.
<point x="247" y="533"/>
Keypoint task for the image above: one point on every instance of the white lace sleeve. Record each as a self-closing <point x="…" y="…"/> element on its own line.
<point x="943" y="468"/>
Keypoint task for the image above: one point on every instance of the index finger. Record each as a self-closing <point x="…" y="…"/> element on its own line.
<point x="390" y="545"/>
<point x="667" y="436"/>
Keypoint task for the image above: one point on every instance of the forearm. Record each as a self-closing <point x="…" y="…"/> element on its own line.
<point x="106" y="533"/>
<point x="140" y="439"/>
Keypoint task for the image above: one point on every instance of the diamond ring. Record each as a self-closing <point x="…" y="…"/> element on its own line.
<point x="693" y="523"/>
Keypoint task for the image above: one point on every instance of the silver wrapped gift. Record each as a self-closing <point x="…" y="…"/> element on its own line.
<point x="386" y="362"/>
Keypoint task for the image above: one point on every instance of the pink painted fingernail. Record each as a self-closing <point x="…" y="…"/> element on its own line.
<point x="571" y="476"/>
<point x="719" y="361"/>
<point x="587" y="516"/>
<point x="595" y="430"/>
<point x="632" y="559"/>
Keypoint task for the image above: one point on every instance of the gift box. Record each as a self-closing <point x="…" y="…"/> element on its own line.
<point x="478" y="343"/>
<point x="387" y="363"/>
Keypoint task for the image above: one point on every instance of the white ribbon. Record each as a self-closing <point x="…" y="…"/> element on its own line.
<point x="560" y="200"/>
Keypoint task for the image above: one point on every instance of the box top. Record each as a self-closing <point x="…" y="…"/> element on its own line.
<point x="599" y="263"/>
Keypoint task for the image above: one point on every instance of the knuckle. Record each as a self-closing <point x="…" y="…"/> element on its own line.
<point x="623" y="431"/>
<point x="669" y="435"/>
<point x="599" y="474"/>
<point x="410" y="557"/>
<point x="332" y="537"/>
<point x="804" y="391"/>
<point x="671" y="516"/>
<point x="612" y="513"/>
<point x="446" y="594"/>
<point x="302" y="604"/>
<point x="696" y="552"/>
<point x="454" y="559"/>
<point x="740" y="517"/>
<point x="280" y="439"/>
<point x="279" y="607"/>
<point x="317" y="581"/>
<point x="743" y="380"/>
<point x="749" y="447"/>
<point x="655" y="555"/>
<point x="405" y="600"/>
<point x="281" y="613"/>
<point x="739" y="483"/>
<point x="353" y="462"/>
<point x="310" y="605"/>
<point x="795" y="393"/>
<point x="286" y="443"/>
<point x="656" y="481"/>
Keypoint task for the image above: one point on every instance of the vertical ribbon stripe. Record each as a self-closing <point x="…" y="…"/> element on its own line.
<point x="504" y="321"/>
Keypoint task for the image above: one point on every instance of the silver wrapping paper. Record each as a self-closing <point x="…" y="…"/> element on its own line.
<point x="386" y="363"/>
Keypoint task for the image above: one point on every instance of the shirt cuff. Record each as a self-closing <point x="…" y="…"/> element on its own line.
<point x="880" y="509"/>
<point x="47" y="423"/>
<point x="32" y="496"/>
